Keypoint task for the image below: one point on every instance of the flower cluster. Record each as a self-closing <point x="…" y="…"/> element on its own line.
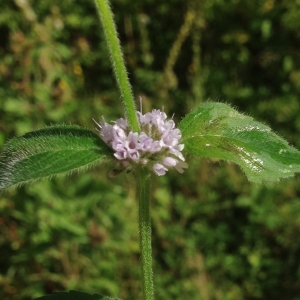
<point x="157" y="145"/>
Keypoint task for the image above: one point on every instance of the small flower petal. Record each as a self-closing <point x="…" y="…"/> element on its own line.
<point x="170" y="161"/>
<point x="122" y="123"/>
<point x="159" y="169"/>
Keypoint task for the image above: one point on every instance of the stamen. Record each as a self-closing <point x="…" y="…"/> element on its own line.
<point x="141" y="105"/>
<point x="97" y="123"/>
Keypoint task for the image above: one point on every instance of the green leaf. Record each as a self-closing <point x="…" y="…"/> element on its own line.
<point x="74" y="295"/>
<point x="48" y="152"/>
<point x="215" y="130"/>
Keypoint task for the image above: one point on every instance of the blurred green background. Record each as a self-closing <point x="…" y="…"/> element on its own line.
<point x="215" y="236"/>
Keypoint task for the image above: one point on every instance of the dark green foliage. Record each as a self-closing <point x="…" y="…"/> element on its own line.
<point x="215" y="130"/>
<point x="48" y="152"/>
<point x="215" y="236"/>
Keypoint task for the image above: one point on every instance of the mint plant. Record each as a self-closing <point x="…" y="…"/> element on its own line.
<point x="148" y="145"/>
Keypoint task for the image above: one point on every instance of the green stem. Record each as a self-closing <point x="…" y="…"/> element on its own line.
<point x="144" y="178"/>
<point x="117" y="61"/>
<point x="144" y="194"/>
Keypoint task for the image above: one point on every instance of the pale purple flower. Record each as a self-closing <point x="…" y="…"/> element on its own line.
<point x="122" y="123"/>
<point x="170" y="161"/>
<point x="132" y="145"/>
<point x="176" y="150"/>
<point x="107" y="133"/>
<point x="146" y="118"/>
<point x="159" y="169"/>
<point x="148" y="144"/>
<point x="156" y="146"/>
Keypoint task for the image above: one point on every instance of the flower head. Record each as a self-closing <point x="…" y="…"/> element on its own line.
<point x="156" y="146"/>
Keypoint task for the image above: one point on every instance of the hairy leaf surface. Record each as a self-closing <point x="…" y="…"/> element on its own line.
<point x="48" y="152"/>
<point x="215" y="130"/>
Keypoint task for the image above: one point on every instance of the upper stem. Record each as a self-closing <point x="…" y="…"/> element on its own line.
<point x="116" y="56"/>
<point x="144" y="194"/>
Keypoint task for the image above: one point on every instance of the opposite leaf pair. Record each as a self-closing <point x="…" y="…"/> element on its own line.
<point x="214" y="130"/>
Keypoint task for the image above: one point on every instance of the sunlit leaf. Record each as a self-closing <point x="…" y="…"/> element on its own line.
<point x="74" y="295"/>
<point x="48" y="152"/>
<point x="215" y="130"/>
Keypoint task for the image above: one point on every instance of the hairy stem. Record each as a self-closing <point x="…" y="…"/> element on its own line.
<point x="144" y="194"/>
<point x="144" y="178"/>
<point x="118" y="63"/>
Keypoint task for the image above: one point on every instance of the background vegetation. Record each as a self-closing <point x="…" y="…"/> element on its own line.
<point x="215" y="236"/>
